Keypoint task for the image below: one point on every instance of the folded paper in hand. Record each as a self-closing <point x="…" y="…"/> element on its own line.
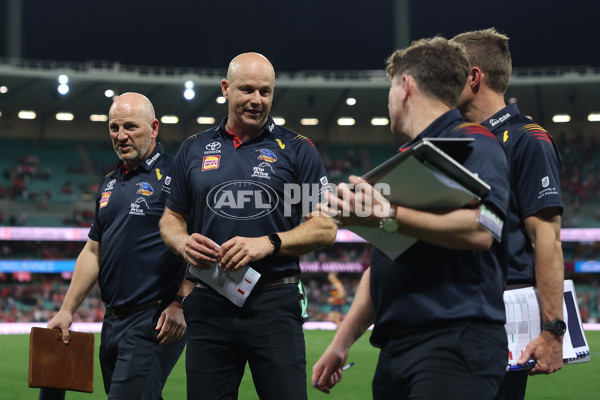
<point x="53" y="364"/>
<point x="234" y="285"/>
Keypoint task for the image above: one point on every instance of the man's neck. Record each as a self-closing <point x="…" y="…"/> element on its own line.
<point x="241" y="133"/>
<point x="485" y="104"/>
<point x="422" y="114"/>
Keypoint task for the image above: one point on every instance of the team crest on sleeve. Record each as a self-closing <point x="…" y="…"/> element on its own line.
<point x="145" y="189"/>
<point x="211" y="162"/>
<point x="104" y="199"/>
<point x="545" y="181"/>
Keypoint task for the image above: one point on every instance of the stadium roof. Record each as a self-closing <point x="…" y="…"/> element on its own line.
<point x="33" y="85"/>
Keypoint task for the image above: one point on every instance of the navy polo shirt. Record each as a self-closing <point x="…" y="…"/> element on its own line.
<point x="263" y="185"/>
<point x="430" y="284"/>
<point x="534" y="170"/>
<point x="135" y="265"/>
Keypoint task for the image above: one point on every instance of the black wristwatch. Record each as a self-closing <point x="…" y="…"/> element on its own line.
<point x="558" y="327"/>
<point x="275" y="241"/>
<point x="179" y="299"/>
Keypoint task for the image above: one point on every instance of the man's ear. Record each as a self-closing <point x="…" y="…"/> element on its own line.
<point x="408" y="83"/>
<point x="224" y="86"/>
<point x="475" y="78"/>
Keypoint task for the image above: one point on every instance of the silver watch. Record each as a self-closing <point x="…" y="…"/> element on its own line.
<point x="390" y="224"/>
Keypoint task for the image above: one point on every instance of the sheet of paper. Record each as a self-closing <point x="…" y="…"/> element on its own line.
<point x="234" y="285"/>
<point x="523" y="323"/>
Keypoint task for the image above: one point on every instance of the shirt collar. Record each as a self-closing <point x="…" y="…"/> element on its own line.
<point x="149" y="162"/>
<point x="269" y="128"/>
<point x="501" y="117"/>
<point x="437" y="126"/>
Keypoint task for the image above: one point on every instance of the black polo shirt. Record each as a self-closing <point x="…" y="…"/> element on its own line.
<point x="263" y="185"/>
<point x="135" y="264"/>
<point x="534" y="169"/>
<point x="428" y="284"/>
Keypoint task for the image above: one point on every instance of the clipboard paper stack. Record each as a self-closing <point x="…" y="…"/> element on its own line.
<point x="52" y="364"/>
<point x="424" y="177"/>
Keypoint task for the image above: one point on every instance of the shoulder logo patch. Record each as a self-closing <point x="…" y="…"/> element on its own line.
<point x="281" y="145"/>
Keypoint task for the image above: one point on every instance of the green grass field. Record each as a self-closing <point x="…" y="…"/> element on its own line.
<point x="579" y="381"/>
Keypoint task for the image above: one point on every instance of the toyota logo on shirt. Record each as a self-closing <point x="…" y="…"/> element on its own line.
<point x="213" y="146"/>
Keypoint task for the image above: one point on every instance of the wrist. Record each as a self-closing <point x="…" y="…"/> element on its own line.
<point x="389" y="223"/>
<point x="557" y="327"/>
<point x="275" y="241"/>
<point x="178" y="301"/>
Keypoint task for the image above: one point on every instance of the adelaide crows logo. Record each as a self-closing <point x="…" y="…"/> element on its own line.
<point x="267" y="155"/>
<point x="145" y="189"/>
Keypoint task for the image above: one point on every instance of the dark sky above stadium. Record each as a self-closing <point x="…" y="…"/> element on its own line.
<point x="295" y="35"/>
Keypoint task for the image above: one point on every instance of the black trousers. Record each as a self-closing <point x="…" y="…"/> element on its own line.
<point x="461" y="361"/>
<point x="134" y="365"/>
<point x="266" y="332"/>
<point x="513" y="386"/>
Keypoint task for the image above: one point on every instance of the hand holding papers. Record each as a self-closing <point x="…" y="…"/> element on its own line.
<point x="234" y="285"/>
<point x="523" y="324"/>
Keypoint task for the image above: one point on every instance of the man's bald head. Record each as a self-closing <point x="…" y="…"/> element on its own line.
<point x="133" y="128"/>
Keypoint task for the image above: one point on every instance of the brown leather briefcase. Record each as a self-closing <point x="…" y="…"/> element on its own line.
<point x="53" y="364"/>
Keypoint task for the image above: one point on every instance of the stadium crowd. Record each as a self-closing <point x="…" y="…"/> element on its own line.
<point x="580" y="180"/>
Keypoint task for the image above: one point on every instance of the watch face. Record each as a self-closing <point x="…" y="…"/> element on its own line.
<point x="561" y="327"/>
<point x="389" y="225"/>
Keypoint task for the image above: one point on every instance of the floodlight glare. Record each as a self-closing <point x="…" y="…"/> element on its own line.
<point x="380" y="121"/>
<point x="26" y="114"/>
<point x="189" y="94"/>
<point x="559" y="118"/>
<point x="205" y="120"/>
<point x="63" y="89"/>
<point x="309" y="121"/>
<point x="64" y="116"/>
<point x="279" y="121"/>
<point x="188" y="84"/>
<point x="98" y="117"/>
<point x="3" y="89"/>
<point x="169" y="119"/>
<point x="351" y="101"/>
<point x="345" y="121"/>
<point x="594" y="117"/>
<point x="109" y="93"/>
<point x="221" y="100"/>
<point x="63" y="79"/>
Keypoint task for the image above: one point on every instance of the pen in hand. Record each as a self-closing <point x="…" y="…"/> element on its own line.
<point x="345" y="367"/>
